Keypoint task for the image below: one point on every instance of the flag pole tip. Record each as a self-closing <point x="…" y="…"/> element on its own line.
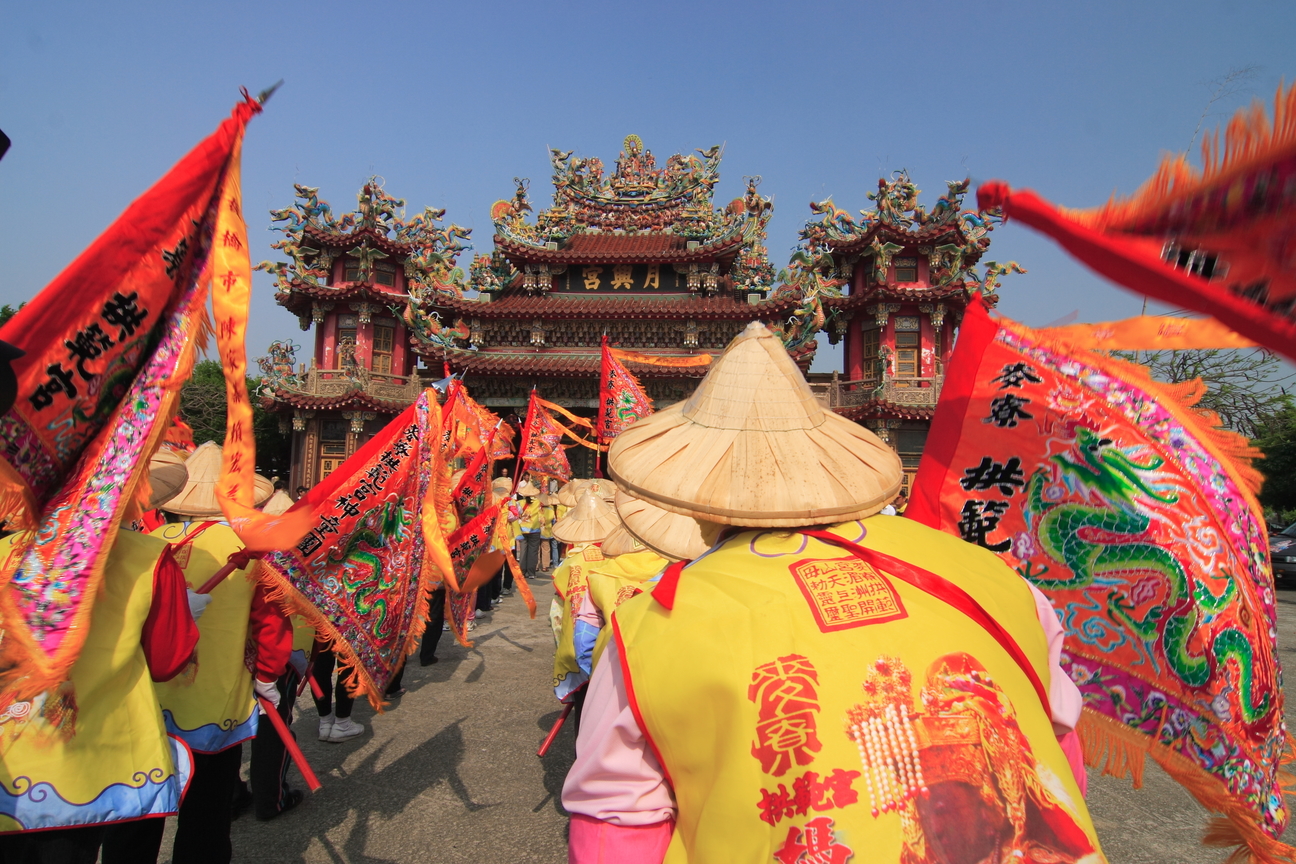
<point x="264" y="95"/>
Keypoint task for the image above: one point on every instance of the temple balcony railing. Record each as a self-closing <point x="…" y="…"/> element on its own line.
<point x="912" y="392"/>
<point x="338" y="382"/>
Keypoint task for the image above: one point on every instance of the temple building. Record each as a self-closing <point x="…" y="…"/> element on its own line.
<point x="899" y="278"/>
<point x="640" y="255"/>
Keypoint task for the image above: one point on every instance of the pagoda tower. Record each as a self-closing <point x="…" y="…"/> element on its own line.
<point x="898" y="278"/>
<point x="351" y="278"/>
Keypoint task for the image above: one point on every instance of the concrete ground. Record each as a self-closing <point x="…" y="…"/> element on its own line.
<point x="449" y="774"/>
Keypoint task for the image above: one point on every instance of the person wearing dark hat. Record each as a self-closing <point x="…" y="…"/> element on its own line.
<point x="823" y="684"/>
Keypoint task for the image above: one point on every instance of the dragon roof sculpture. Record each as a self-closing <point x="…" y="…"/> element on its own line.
<point x="377" y="230"/>
<point x="636" y="197"/>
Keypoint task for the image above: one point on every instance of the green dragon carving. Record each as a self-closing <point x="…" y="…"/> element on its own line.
<point x="1104" y="544"/>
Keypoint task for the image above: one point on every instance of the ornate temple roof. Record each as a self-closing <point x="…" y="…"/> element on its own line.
<point x="560" y="362"/>
<point x="560" y="306"/>
<point x="422" y="248"/>
<point x="636" y="198"/>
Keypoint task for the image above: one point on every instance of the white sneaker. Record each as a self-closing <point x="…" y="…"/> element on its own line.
<point x="344" y="729"/>
<point x="326" y="727"/>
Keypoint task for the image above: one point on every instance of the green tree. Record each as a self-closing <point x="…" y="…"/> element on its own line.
<point x="7" y="312"/>
<point x="1244" y="387"/>
<point x="203" y="406"/>
<point x="1277" y="440"/>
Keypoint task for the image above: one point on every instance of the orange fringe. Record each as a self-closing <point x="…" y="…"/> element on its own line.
<point x="1249" y="138"/>
<point x="1117" y="749"/>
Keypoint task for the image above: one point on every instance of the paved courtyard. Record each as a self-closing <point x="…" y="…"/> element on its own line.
<point x="450" y="775"/>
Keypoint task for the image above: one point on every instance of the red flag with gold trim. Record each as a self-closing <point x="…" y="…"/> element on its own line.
<point x="1138" y="518"/>
<point x="1221" y="241"/>
<point x="622" y="399"/>
<point x="108" y="345"/>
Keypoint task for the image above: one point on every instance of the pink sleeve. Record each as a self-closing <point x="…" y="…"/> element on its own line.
<point x="1064" y="697"/>
<point x="588" y="612"/>
<point x="1065" y="700"/>
<point x="616" y="778"/>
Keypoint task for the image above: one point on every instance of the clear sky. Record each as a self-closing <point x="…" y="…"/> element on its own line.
<point x="448" y="102"/>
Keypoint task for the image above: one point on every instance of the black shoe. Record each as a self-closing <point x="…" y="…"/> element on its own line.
<point x="242" y="800"/>
<point x="291" y="800"/>
<point x="429" y="661"/>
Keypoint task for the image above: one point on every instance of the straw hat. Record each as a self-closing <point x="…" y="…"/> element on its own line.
<point x="602" y="487"/>
<point x="528" y="489"/>
<point x="752" y="446"/>
<point x="680" y="538"/>
<point x="279" y="502"/>
<point x="167" y="476"/>
<point x="566" y="496"/>
<point x="547" y="500"/>
<point x="590" y="521"/>
<point x="198" y="497"/>
<point x="622" y="542"/>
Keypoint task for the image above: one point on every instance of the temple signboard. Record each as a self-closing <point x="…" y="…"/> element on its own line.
<point x="620" y="278"/>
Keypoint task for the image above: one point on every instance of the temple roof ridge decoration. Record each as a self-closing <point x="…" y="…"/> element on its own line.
<point x="377" y="231"/>
<point x="636" y="197"/>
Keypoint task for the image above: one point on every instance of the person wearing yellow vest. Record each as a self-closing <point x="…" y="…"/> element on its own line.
<point x="632" y="561"/>
<point x="824" y="684"/>
<point x="110" y="775"/>
<point x="548" y="545"/>
<point x="528" y="521"/>
<point x="586" y="526"/>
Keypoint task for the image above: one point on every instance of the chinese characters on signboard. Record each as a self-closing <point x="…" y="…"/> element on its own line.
<point x="610" y="278"/>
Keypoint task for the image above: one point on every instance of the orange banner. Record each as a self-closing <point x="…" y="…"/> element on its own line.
<point x="1150" y="333"/>
<point x="231" y="290"/>
<point x="579" y="421"/>
<point x="651" y="360"/>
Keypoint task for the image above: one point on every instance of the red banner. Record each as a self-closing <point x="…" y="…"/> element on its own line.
<point x="1219" y="241"/>
<point x="622" y="399"/>
<point x="1118" y="500"/>
<point x="108" y="344"/>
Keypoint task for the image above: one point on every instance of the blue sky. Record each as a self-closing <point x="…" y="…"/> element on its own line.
<point x="448" y="102"/>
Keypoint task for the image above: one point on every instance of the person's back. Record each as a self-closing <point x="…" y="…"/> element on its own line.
<point x="801" y="698"/>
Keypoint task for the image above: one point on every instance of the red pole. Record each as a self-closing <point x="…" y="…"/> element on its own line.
<point x="557" y="727"/>
<point x="285" y="735"/>
<point x="524" y="442"/>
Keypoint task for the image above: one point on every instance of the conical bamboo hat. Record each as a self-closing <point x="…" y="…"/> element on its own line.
<point x="680" y="538"/>
<point x="167" y="476"/>
<point x="752" y="446"/>
<point x="279" y="502"/>
<point x="621" y="542"/>
<point x="590" y="521"/>
<point x="600" y="486"/>
<point x="501" y="486"/>
<point x="198" y="497"/>
<point x="567" y="494"/>
<point x="528" y="489"/>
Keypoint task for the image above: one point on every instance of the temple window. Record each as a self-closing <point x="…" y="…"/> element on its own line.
<point x="908" y="347"/>
<point x="906" y="269"/>
<point x="910" y="444"/>
<point x="346" y="334"/>
<point x="352" y="270"/>
<point x="332" y="445"/>
<point x="872" y="340"/>
<point x="384" y="341"/>
<point x="384" y="272"/>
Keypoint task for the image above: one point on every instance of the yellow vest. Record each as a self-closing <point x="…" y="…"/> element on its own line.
<point x="213" y="709"/>
<point x="546" y="522"/>
<point x="569" y="582"/>
<point x="120" y="764"/>
<point x="807" y="706"/>
<point x="613" y="581"/>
